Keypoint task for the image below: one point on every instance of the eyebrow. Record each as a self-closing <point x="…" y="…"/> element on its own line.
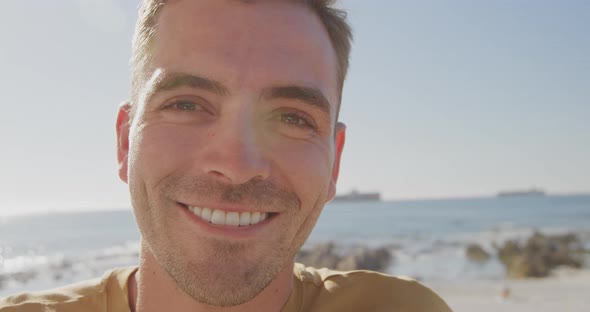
<point x="307" y="95"/>
<point x="171" y="81"/>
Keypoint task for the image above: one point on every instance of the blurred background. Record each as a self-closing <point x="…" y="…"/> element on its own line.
<point x="468" y="131"/>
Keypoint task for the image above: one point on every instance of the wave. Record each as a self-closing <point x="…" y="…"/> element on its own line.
<point x="32" y="273"/>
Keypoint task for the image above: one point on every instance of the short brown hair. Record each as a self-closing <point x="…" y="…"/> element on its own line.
<point x="334" y="20"/>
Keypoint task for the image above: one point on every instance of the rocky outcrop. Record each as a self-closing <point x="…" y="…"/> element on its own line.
<point x="362" y="258"/>
<point x="365" y="259"/>
<point x="540" y="254"/>
<point x="321" y="256"/>
<point x="476" y="253"/>
<point x="22" y="277"/>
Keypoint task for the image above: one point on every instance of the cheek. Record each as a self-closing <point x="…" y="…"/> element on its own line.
<point x="306" y="166"/>
<point x="158" y="151"/>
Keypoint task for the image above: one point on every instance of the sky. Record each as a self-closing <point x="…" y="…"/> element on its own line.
<point x="444" y="99"/>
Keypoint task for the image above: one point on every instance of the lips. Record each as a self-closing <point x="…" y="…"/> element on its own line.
<point x="229" y="218"/>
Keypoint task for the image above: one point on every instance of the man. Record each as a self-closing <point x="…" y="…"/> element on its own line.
<point x="231" y="147"/>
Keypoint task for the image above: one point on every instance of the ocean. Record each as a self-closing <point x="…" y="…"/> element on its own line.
<point x="427" y="238"/>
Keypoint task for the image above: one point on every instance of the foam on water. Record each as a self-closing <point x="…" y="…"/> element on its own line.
<point x="41" y="272"/>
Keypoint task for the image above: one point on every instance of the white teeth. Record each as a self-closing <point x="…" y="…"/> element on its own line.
<point x="244" y="218"/>
<point x="255" y="218"/>
<point x="232" y="218"/>
<point x="197" y="211"/>
<point x="206" y="214"/>
<point x="220" y="217"/>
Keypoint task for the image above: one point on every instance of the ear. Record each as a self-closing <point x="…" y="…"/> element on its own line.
<point x="339" y="139"/>
<point x="123" y="124"/>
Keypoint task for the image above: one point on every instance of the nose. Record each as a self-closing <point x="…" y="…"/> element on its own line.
<point x="234" y="153"/>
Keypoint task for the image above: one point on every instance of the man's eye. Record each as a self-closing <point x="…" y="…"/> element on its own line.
<point x="186" y="105"/>
<point x="296" y="120"/>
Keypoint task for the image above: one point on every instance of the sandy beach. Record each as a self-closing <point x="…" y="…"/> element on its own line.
<point x="567" y="290"/>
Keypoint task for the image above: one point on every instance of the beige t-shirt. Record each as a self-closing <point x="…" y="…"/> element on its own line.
<point x="313" y="290"/>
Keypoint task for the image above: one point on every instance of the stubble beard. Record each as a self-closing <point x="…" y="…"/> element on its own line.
<point x="222" y="277"/>
<point x="217" y="272"/>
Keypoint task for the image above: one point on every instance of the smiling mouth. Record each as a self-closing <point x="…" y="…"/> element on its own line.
<point x="227" y="218"/>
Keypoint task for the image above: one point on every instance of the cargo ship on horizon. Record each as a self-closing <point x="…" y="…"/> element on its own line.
<point x="356" y="196"/>
<point x="530" y="192"/>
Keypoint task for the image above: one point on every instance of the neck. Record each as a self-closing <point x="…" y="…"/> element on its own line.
<point x="152" y="289"/>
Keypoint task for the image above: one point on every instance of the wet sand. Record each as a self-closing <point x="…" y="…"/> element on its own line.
<point x="567" y="290"/>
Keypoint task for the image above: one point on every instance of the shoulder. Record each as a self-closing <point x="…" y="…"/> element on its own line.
<point x="365" y="291"/>
<point x="90" y="295"/>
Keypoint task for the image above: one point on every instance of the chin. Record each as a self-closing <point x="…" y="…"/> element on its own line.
<point x="219" y="279"/>
<point x="219" y="273"/>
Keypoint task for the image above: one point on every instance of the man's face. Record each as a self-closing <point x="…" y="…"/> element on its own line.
<point x="237" y="121"/>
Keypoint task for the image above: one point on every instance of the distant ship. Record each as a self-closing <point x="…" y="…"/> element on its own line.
<point x="356" y="196"/>
<point x="531" y="192"/>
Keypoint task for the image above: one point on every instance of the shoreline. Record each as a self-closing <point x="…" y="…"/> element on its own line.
<point x="564" y="290"/>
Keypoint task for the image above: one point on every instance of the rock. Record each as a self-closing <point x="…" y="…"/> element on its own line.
<point x="321" y="256"/>
<point x="508" y="251"/>
<point x="476" y="253"/>
<point x="523" y="266"/>
<point x="556" y="250"/>
<point x="57" y="276"/>
<point x="540" y="255"/>
<point x="366" y="259"/>
<point x="326" y="255"/>
<point x="24" y="276"/>
<point x="61" y="265"/>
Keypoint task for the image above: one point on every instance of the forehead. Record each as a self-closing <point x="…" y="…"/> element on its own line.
<point x="246" y="45"/>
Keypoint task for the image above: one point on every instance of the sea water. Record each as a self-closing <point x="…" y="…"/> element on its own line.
<point x="427" y="238"/>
